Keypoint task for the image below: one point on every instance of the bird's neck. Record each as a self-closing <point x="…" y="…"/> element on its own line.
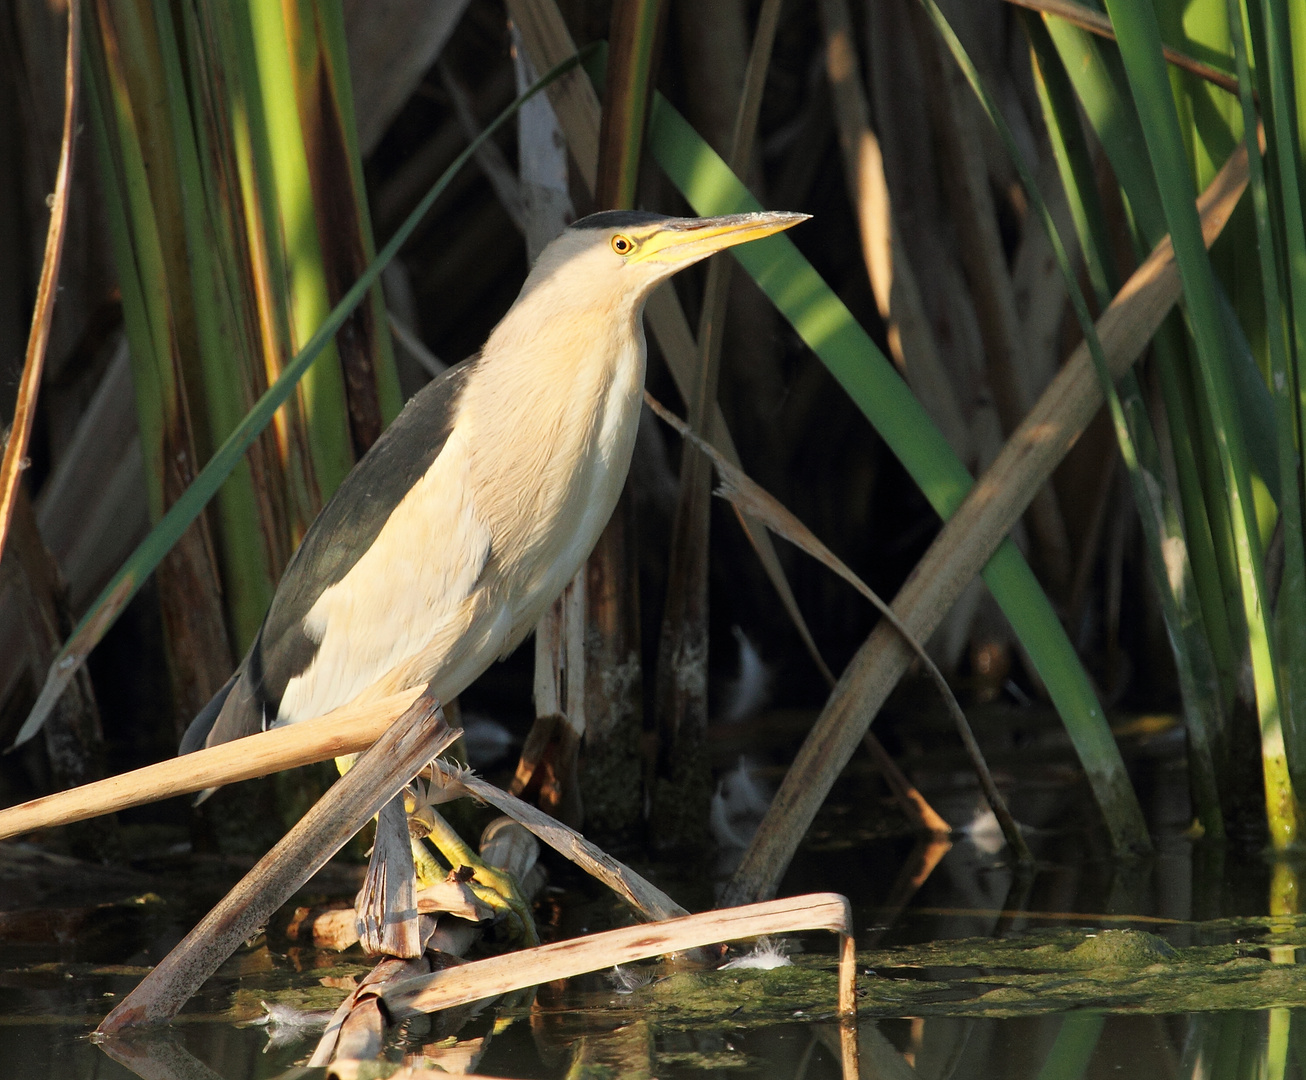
<point x="569" y="378"/>
<point x="551" y="433"/>
<point x="566" y="348"/>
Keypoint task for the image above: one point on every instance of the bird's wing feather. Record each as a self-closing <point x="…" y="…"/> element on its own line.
<point x="344" y="530"/>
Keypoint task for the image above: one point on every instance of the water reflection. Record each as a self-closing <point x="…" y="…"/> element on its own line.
<point x="1256" y="1045"/>
<point x="1234" y="1045"/>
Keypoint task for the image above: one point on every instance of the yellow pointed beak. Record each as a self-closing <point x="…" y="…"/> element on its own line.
<point x="682" y="241"/>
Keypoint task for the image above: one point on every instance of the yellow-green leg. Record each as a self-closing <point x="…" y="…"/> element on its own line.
<point x="492" y="886"/>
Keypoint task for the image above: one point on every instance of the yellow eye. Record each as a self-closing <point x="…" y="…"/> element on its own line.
<point x="622" y="245"/>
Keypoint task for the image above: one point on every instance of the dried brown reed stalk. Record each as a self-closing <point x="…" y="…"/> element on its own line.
<point x="14" y="460"/>
<point x="650" y="902"/>
<point x="346" y="730"/>
<point x="386" y="906"/>
<point x="357" y="1029"/>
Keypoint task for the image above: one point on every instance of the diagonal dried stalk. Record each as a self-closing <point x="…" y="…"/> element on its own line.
<point x="348" y="730"/>
<point x="375" y="778"/>
<point x="745" y="494"/>
<point x="968" y="540"/>
<point x="14" y="460"/>
<point x="648" y="900"/>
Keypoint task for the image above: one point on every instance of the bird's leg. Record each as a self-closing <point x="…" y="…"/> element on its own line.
<point x="495" y="887"/>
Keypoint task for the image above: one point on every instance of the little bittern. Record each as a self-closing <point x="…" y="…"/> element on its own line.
<point x="443" y="547"/>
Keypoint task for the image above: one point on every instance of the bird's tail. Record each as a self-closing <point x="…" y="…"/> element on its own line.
<point x="203" y="723"/>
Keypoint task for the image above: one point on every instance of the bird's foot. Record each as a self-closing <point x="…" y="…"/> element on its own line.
<point x="498" y="888"/>
<point x="492" y="886"/>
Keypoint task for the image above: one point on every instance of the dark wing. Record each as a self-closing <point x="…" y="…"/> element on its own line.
<point x="342" y="532"/>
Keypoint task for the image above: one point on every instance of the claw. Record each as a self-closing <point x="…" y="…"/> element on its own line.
<point x="493" y="886"/>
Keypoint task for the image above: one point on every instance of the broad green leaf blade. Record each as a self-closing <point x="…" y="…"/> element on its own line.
<point x="264" y="34"/>
<point x="214" y="371"/>
<point x="1097" y="74"/>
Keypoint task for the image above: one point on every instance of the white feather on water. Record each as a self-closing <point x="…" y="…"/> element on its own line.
<point x="766" y="955"/>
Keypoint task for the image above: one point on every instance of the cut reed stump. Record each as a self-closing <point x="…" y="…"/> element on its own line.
<point x="356" y="1033"/>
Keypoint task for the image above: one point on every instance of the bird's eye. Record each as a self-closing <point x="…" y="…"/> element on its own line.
<point x="622" y="245"/>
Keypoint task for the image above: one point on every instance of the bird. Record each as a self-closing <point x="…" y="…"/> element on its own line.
<point x="452" y="535"/>
<point x="466" y="519"/>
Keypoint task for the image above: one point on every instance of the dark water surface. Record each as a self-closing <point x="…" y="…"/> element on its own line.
<point x="1183" y="964"/>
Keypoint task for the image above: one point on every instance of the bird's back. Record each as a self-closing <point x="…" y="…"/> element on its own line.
<point x="347" y="527"/>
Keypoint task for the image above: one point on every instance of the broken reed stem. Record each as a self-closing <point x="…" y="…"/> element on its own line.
<point x="376" y="777"/>
<point x="646" y="898"/>
<point x="13" y="461"/>
<point x="747" y="496"/>
<point x="346" y="730"/>
<point x="386" y="905"/>
<point x="505" y="845"/>
<point x="565" y="959"/>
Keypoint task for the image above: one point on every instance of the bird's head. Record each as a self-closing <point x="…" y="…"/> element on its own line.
<point x="621" y="255"/>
